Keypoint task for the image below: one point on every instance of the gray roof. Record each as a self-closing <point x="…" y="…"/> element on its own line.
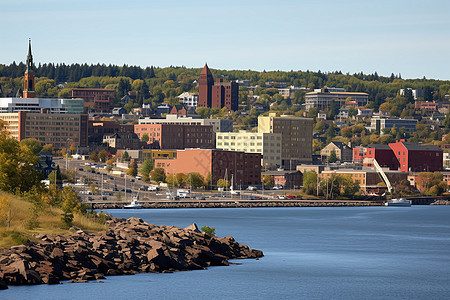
<point x="379" y="147"/>
<point x="420" y="147"/>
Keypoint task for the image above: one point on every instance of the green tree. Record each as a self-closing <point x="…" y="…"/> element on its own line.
<point x="145" y="138"/>
<point x="332" y="158"/>
<point x="146" y="168"/>
<point x="158" y="175"/>
<point x="223" y="183"/>
<point x="93" y="156"/>
<point x="34" y="145"/>
<point x="132" y="169"/>
<point x="310" y="182"/>
<point x="196" y="180"/>
<point x="125" y="156"/>
<point x="17" y="164"/>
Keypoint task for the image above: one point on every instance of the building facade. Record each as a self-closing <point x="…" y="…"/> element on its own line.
<point x="268" y="144"/>
<point x="99" y="100"/>
<point x="176" y="136"/>
<point x="323" y="99"/>
<point x="378" y="125"/>
<point x="414" y="157"/>
<point x="97" y="129"/>
<point x="296" y="137"/>
<point x="244" y="168"/>
<point x="59" y="130"/>
<point x="382" y="153"/>
<point x="344" y="152"/>
<point x="188" y="99"/>
<point x="217" y="94"/>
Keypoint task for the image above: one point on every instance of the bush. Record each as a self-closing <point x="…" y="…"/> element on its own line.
<point x="210" y="231"/>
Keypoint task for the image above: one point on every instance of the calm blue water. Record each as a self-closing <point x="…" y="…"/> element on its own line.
<point x="310" y="253"/>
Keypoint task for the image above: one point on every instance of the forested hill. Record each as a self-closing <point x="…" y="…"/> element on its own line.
<point x="378" y="87"/>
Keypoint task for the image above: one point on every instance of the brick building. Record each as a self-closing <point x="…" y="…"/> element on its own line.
<point x="382" y="153"/>
<point x="124" y="140"/>
<point x="98" y="129"/>
<point x="59" y="130"/>
<point x="100" y="100"/>
<point x="177" y="136"/>
<point x="217" y="94"/>
<point x="417" y="157"/>
<point x="220" y="164"/>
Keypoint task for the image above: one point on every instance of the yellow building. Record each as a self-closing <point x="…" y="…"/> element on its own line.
<point x="296" y="137"/>
<point x="268" y="144"/>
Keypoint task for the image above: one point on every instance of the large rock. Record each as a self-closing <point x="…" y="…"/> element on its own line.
<point x="128" y="247"/>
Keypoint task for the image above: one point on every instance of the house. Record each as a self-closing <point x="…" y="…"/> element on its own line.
<point x="163" y="108"/>
<point x="178" y="110"/>
<point x="259" y="106"/>
<point x="118" y="111"/>
<point x="343" y="151"/>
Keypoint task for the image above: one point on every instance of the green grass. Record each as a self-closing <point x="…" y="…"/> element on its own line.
<point x="48" y="221"/>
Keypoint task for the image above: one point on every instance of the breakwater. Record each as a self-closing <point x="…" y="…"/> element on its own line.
<point x="237" y="203"/>
<point x="127" y="247"/>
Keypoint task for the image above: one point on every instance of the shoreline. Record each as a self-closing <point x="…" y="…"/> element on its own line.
<point x="236" y="203"/>
<point x="128" y="247"/>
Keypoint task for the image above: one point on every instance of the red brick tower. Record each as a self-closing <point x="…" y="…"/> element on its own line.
<point x="206" y="82"/>
<point x="28" y="84"/>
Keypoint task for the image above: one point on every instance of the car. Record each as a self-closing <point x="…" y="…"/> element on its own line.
<point x="153" y="188"/>
<point x="251" y="188"/>
<point x="132" y="180"/>
<point x="278" y="187"/>
<point x="138" y="177"/>
<point x="281" y="197"/>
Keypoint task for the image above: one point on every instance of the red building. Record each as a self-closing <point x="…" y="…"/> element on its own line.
<point x="382" y="153"/>
<point x="178" y="110"/>
<point x="177" y="136"/>
<point x="245" y="168"/>
<point x="217" y="94"/>
<point x="101" y="100"/>
<point x="416" y="157"/>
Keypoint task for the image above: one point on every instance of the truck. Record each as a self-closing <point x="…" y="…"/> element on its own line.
<point x="184" y="193"/>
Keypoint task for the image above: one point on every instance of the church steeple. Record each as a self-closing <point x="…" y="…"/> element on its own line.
<point x="28" y="83"/>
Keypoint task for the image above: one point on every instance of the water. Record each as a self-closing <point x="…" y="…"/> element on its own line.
<point x="310" y="253"/>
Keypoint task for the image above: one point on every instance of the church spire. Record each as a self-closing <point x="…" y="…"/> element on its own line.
<point x="30" y="66"/>
<point x="28" y="83"/>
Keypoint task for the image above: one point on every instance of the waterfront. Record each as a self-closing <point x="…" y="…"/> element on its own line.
<point x="310" y="253"/>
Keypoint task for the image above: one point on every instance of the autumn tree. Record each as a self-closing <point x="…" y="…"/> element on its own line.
<point x="146" y="168"/>
<point x="132" y="169"/>
<point x="158" y="175"/>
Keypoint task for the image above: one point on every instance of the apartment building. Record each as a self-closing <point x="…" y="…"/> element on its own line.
<point x="322" y="99"/>
<point x="268" y="144"/>
<point x="296" y="137"/>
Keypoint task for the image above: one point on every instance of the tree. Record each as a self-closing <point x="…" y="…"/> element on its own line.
<point x="145" y="138"/>
<point x="73" y="148"/>
<point x="310" y="182"/>
<point x="93" y="156"/>
<point x="208" y="180"/>
<point x="34" y="145"/>
<point x="125" y="156"/>
<point x="103" y="155"/>
<point x="17" y="164"/>
<point x="196" y="180"/>
<point x="268" y="181"/>
<point x="132" y="169"/>
<point x="158" y="175"/>
<point x="333" y="157"/>
<point x="146" y="168"/>
<point x="223" y="183"/>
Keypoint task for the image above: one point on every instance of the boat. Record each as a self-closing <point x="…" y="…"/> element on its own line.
<point x="134" y="203"/>
<point x="398" y="202"/>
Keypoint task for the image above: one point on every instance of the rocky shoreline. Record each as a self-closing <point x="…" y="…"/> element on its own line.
<point x="127" y="247"/>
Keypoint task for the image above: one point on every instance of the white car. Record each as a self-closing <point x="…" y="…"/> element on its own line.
<point x="153" y="188"/>
<point x="252" y="188"/>
<point x="278" y="187"/>
<point x="138" y="177"/>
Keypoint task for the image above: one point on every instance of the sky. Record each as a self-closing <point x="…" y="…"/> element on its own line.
<point x="406" y="37"/>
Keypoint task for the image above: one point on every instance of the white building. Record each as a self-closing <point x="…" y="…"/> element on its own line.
<point x="322" y="99"/>
<point x="217" y="124"/>
<point x="268" y="144"/>
<point x="189" y="100"/>
<point x="49" y="105"/>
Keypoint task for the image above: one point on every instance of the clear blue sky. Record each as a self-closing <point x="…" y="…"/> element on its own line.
<point x="410" y="37"/>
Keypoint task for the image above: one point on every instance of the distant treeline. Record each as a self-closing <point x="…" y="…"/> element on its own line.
<point x="378" y="87"/>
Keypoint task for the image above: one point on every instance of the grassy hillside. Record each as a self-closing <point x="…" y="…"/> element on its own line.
<point x="47" y="222"/>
